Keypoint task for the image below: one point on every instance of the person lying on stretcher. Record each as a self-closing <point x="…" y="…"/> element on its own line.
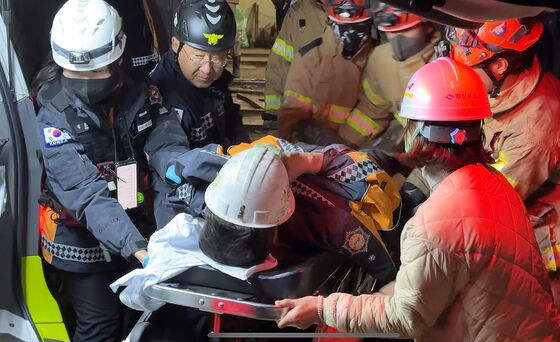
<point x="308" y="197"/>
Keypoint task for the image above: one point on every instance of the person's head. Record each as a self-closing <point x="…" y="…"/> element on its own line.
<point x="203" y="33"/>
<point x="407" y="33"/>
<point x="351" y="22"/>
<point x="445" y="102"/>
<point x="87" y="43"/>
<point x="233" y="245"/>
<point x="497" y="49"/>
<point x="249" y="198"/>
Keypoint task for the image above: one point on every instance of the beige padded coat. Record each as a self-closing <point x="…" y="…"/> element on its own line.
<point x="471" y="271"/>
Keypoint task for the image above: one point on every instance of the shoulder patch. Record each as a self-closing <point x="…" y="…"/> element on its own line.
<point x="313" y="44"/>
<point x="55" y="137"/>
<point x="154" y="95"/>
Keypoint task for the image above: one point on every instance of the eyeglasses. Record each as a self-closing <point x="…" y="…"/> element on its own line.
<point x="200" y="61"/>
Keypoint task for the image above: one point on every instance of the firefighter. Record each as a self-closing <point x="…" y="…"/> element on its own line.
<point x="193" y="79"/>
<point x="523" y="134"/>
<point x="305" y="21"/>
<point x="410" y="45"/>
<point x="324" y="98"/>
<point x="96" y="123"/>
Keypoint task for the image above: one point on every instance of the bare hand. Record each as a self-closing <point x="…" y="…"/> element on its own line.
<point x="299" y="313"/>
<point x="299" y="163"/>
<point x="140" y="255"/>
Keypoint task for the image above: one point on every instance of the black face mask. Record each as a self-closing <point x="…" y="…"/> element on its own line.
<point x="406" y="47"/>
<point x="352" y="36"/>
<point x="95" y="92"/>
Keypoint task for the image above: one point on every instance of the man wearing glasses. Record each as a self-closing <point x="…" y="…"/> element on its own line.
<point x="194" y="83"/>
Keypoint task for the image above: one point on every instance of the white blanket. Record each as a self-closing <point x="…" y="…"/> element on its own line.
<point x="172" y="250"/>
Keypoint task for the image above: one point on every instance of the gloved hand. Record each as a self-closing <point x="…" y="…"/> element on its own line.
<point x="174" y="173"/>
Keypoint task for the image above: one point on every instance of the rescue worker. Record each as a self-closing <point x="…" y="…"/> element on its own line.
<point x="195" y="84"/>
<point x="324" y="99"/>
<point x="524" y="132"/>
<point x="304" y="21"/>
<point x="346" y="207"/>
<point x="410" y="45"/>
<point x="96" y="123"/>
<point x="470" y="268"/>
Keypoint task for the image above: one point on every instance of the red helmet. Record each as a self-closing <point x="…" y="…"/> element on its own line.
<point x="347" y="11"/>
<point x="471" y="47"/>
<point x="390" y="19"/>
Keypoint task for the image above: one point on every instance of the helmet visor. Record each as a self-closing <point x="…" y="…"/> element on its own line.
<point x="462" y="37"/>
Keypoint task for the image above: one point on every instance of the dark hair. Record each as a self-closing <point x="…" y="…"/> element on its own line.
<point x="518" y="61"/>
<point x="48" y="73"/>
<point x="234" y="245"/>
<point x="449" y="157"/>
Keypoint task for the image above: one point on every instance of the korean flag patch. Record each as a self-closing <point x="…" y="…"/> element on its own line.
<point x="55" y="137"/>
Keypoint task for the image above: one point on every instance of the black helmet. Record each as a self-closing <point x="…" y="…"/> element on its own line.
<point x="207" y="25"/>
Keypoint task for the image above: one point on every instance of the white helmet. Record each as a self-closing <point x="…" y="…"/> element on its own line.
<point x="87" y="35"/>
<point x="252" y="190"/>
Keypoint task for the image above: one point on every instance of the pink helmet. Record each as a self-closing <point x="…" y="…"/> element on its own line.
<point x="445" y="90"/>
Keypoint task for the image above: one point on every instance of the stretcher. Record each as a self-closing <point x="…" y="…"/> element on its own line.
<point x="209" y="290"/>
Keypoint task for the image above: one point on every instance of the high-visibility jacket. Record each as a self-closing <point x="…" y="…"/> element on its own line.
<point x="524" y="136"/>
<point x="304" y="21"/>
<point x="322" y="84"/>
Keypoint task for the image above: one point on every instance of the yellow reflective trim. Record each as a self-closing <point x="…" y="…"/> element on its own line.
<point x="372" y="96"/>
<point x="500" y="164"/>
<point x="283" y="49"/>
<point x="290" y="93"/>
<point x="363" y="124"/>
<point x="336" y="113"/>
<point x="399" y="118"/>
<point x="42" y="307"/>
<point x="272" y="102"/>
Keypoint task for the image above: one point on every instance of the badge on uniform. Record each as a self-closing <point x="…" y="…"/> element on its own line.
<point x="143" y="121"/>
<point x="356" y="241"/>
<point x="81" y="127"/>
<point x="55" y="137"/>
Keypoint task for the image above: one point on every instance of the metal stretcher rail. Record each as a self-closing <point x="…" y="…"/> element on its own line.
<point x="214" y="300"/>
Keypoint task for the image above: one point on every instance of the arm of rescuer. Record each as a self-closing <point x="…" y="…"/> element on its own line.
<point x="427" y="282"/>
<point x="298" y="104"/>
<point x="78" y="186"/>
<point x="279" y="61"/>
<point x="372" y="114"/>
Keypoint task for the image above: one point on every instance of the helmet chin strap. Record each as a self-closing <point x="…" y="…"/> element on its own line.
<point x="496" y="84"/>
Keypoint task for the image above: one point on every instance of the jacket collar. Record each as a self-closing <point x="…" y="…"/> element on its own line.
<point x="526" y="83"/>
<point x="134" y="96"/>
<point x="426" y="55"/>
